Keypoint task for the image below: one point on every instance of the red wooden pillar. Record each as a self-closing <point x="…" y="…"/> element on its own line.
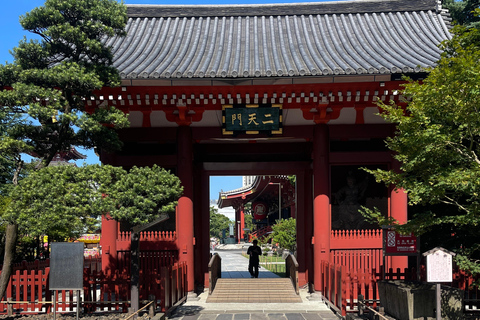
<point x="398" y="207"/>
<point x="304" y="218"/>
<point x="237" y="225"/>
<point x="399" y="211"/>
<point x="242" y="224"/>
<point x="321" y="201"/>
<point x="108" y="242"/>
<point x="205" y="222"/>
<point x="184" y="220"/>
<point x="201" y="227"/>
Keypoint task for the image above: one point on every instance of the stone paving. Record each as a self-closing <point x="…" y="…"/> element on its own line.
<point x="234" y="265"/>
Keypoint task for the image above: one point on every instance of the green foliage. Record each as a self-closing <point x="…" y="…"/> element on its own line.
<point x="462" y="11"/>
<point x="49" y="83"/>
<point x="143" y="194"/>
<point x="285" y="233"/>
<point x="437" y="143"/>
<point x="218" y="223"/>
<point x="249" y="222"/>
<point x="55" y="201"/>
<point x="61" y="201"/>
<point x="50" y="79"/>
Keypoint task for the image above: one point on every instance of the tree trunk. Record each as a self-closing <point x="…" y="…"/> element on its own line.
<point x="10" y="242"/>
<point x="11" y="234"/>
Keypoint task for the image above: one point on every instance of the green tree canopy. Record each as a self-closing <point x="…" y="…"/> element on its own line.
<point x="51" y="78"/>
<point x="48" y="85"/>
<point x="59" y="201"/>
<point x="437" y="144"/>
<point x="285" y="233"/>
<point x="462" y="11"/>
<point x="218" y="223"/>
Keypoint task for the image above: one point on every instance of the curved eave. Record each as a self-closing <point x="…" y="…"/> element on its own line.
<point x="227" y="198"/>
<point x="248" y="193"/>
<point x="270" y="45"/>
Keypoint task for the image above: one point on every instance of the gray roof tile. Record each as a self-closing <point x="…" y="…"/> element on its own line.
<point x="307" y="39"/>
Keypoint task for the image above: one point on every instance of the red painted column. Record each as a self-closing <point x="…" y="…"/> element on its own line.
<point x="237" y="225"/>
<point x="301" y="237"/>
<point x="108" y="242"/>
<point x="399" y="211"/>
<point x="199" y="227"/>
<point x="308" y="226"/>
<point x="242" y="223"/>
<point x="321" y="201"/>
<point x="184" y="221"/>
<point x="205" y="222"/>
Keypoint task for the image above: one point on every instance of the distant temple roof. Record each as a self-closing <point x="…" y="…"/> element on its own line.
<point x="62" y="158"/>
<point x="277" y="40"/>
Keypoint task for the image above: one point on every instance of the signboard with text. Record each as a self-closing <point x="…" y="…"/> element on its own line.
<point x="66" y="266"/>
<point x="396" y="244"/>
<point x="252" y="119"/>
<point x="439" y="265"/>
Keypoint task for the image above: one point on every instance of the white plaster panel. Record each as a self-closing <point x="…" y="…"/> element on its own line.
<point x="210" y="118"/>
<point x="294" y="117"/>
<point x="347" y="116"/>
<point x="158" y="119"/>
<point x="135" y="118"/>
<point x="370" y="115"/>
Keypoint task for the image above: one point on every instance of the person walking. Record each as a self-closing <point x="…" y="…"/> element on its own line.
<point x="253" y="262"/>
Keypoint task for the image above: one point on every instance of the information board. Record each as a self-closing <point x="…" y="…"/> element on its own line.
<point x="439" y="265"/>
<point x="396" y="244"/>
<point x="66" y="266"/>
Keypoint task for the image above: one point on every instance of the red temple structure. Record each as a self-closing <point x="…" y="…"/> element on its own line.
<point x="269" y="90"/>
<point x="266" y="194"/>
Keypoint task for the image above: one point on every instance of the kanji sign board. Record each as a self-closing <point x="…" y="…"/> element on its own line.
<point x="396" y="244"/>
<point x="252" y="119"/>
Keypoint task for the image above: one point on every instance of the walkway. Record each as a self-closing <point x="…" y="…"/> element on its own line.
<point x="234" y="265"/>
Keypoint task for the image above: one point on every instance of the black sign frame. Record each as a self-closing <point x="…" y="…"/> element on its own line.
<point x="252" y="119"/>
<point x="66" y="266"/>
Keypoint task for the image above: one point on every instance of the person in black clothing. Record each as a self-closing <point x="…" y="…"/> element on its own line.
<point x="254" y="252"/>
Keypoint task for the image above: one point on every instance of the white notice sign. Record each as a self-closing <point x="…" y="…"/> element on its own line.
<point x="439" y="266"/>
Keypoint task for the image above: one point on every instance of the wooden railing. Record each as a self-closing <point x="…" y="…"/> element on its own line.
<point x="331" y="284"/>
<point x="357" y="249"/>
<point x="291" y="271"/>
<point x="214" y="271"/>
<point x="28" y="290"/>
<point x="149" y="236"/>
<point x="260" y="233"/>
<point x="149" y="259"/>
<point x="174" y="285"/>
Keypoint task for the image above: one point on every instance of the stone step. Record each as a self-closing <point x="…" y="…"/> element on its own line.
<point x="274" y="290"/>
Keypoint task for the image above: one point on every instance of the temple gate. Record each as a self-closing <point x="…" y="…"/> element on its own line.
<point x="196" y="80"/>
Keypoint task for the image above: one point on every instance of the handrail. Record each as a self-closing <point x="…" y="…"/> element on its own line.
<point x="291" y="270"/>
<point x="214" y="271"/>
<point x="362" y="306"/>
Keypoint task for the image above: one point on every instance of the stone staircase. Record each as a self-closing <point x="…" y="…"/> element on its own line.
<point x="259" y="290"/>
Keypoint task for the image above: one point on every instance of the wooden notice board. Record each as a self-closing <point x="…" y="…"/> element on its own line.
<point x="66" y="266"/>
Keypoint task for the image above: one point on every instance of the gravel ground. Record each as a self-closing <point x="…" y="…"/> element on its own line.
<point x="111" y="316"/>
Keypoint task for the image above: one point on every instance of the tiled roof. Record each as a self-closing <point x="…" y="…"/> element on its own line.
<point x="302" y="39"/>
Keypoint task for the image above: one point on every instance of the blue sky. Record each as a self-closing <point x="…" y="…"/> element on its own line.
<point x="12" y="32"/>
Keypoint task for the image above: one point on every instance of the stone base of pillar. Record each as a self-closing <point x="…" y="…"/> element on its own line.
<point x="315" y="296"/>
<point x="192" y="296"/>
